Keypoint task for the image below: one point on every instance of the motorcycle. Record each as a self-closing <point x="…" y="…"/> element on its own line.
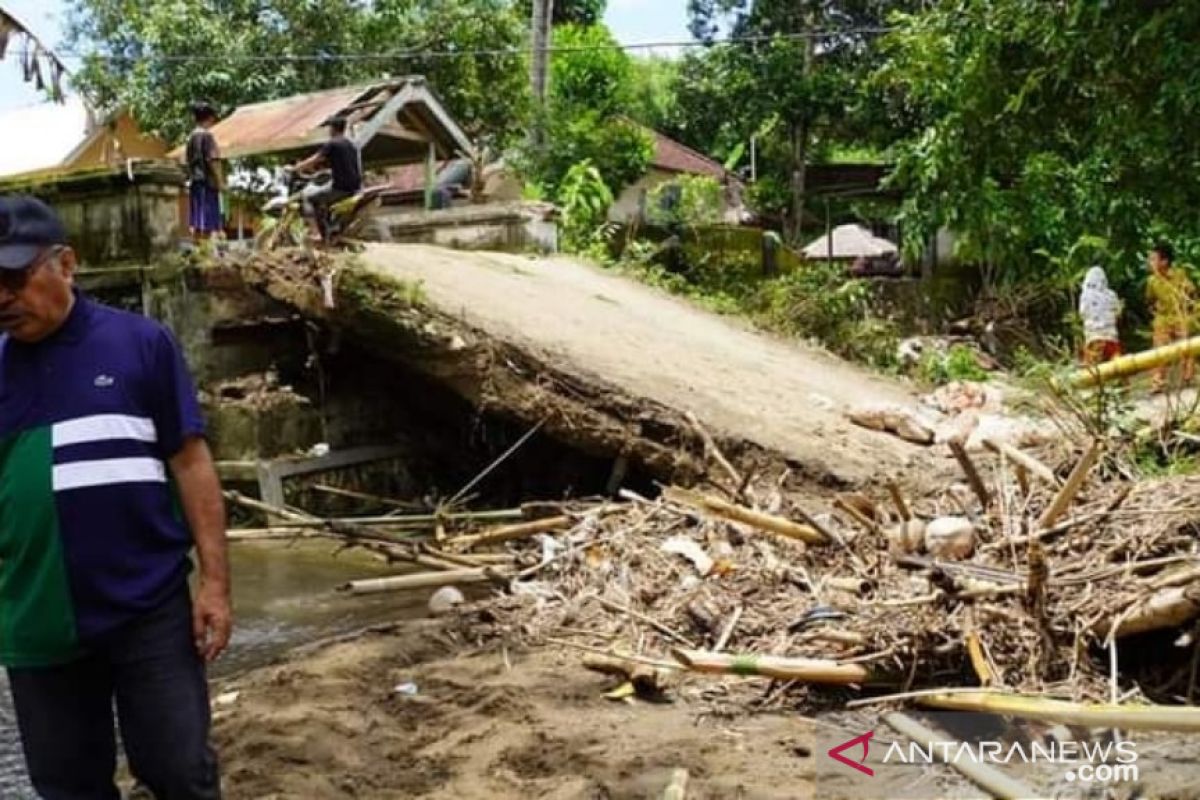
<point x="337" y="222"/>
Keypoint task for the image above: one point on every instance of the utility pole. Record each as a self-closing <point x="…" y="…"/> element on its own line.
<point x="543" y="16"/>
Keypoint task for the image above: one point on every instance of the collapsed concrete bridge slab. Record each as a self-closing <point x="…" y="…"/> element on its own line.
<point x="605" y="364"/>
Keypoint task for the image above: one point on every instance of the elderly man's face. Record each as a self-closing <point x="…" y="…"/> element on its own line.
<point x="35" y="301"/>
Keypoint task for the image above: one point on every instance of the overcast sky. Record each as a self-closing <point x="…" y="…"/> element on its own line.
<point x="632" y="21"/>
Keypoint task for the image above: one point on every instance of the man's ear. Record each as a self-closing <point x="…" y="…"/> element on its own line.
<point x="68" y="263"/>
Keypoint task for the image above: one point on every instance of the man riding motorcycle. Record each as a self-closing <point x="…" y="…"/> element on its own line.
<point x="340" y="155"/>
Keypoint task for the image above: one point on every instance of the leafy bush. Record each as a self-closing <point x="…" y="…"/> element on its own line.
<point x="584" y="199"/>
<point x="958" y="363"/>
<point x="688" y="201"/>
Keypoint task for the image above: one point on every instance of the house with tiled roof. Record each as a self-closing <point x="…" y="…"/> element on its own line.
<point x="671" y="160"/>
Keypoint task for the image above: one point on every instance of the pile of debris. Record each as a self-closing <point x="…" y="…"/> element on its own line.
<point x="1026" y="586"/>
<point x="1028" y="582"/>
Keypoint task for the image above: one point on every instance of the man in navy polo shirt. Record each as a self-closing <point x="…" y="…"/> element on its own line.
<point x="106" y="484"/>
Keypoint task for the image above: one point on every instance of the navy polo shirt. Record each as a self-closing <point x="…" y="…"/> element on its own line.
<point x="91" y="534"/>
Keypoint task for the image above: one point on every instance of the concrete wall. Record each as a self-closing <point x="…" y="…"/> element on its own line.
<point x="113" y="215"/>
<point x="509" y="227"/>
<point x="628" y="207"/>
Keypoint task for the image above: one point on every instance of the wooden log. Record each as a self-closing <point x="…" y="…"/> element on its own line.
<point x="645" y="678"/>
<point x="983" y="775"/>
<point x="807" y="670"/>
<point x="1183" y="719"/>
<point x="1125" y="366"/>
<point x="755" y="519"/>
<point x="1062" y="501"/>
<point x="1023" y="460"/>
<point x="508" y="533"/>
<point x="420" y="580"/>
<point x="969" y="469"/>
<point x="1166" y="608"/>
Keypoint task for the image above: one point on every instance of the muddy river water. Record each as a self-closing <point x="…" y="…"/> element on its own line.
<point x="284" y="596"/>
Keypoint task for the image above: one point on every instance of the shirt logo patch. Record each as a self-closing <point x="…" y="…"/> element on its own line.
<point x="104" y="381"/>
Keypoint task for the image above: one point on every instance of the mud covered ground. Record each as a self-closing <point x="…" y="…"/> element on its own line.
<point x="328" y="724"/>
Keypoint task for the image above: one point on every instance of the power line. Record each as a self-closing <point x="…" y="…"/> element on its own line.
<point x="475" y="53"/>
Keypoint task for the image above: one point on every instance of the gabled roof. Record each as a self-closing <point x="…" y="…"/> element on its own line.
<point x="672" y="156"/>
<point x="392" y="122"/>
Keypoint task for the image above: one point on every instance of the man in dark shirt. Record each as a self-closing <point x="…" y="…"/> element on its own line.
<point x="106" y="485"/>
<point x="205" y="176"/>
<point x="341" y="156"/>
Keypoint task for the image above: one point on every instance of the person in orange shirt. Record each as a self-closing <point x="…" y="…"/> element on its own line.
<point x="1171" y="295"/>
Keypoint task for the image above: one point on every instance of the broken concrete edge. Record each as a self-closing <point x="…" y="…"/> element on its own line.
<point x="392" y="320"/>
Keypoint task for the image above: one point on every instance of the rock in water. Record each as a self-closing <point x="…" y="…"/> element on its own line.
<point x="950" y="537"/>
<point x="445" y="600"/>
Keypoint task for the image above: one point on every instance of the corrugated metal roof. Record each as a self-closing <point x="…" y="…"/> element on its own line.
<point x="267" y="126"/>
<point x="293" y="123"/>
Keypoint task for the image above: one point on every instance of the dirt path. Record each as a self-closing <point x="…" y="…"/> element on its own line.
<point x="329" y="725"/>
<point x="743" y="385"/>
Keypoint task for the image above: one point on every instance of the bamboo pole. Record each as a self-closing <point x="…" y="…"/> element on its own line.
<point x="972" y="473"/>
<point x="337" y="491"/>
<point x="979" y="662"/>
<point x="710" y="445"/>
<point x="755" y="519"/>
<point x="859" y="517"/>
<point x="421" y="580"/>
<point x="898" y="498"/>
<point x="302" y="519"/>
<point x="1138" y="362"/>
<point x="856" y="586"/>
<point x="808" y="670"/>
<point x="1022" y="459"/>
<point x="1183" y="719"/>
<point x="273" y="534"/>
<point x="508" y="533"/>
<point x="1062" y="500"/>
<point x="984" y="776"/>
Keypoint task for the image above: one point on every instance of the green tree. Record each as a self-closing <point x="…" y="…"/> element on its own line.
<point x="487" y="91"/>
<point x="801" y="68"/>
<point x="155" y="58"/>
<point x="652" y="96"/>
<point x="570" y="12"/>
<point x="1044" y="129"/>
<point x="590" y="88"/>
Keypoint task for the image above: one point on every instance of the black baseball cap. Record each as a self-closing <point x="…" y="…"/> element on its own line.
<point x="27" y="227"/>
